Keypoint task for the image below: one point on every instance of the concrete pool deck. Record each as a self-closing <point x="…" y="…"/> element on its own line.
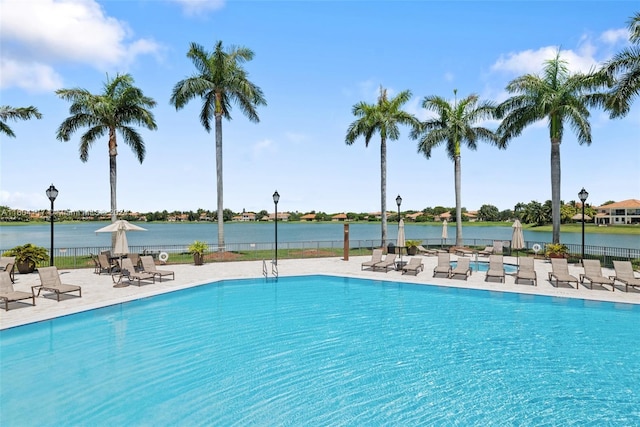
<point x="98" y="290"/>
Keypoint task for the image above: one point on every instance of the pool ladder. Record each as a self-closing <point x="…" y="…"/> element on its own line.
<point x="274" y="269"/>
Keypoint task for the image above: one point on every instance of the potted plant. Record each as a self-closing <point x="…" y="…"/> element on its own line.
<point x="412" y="246"/>
<point x="556" y="250"/>
<point x="198" y="249"/>
<point x="27" y="257"/>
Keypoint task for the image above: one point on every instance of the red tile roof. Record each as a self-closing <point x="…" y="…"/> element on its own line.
<point x="625" y="204"/>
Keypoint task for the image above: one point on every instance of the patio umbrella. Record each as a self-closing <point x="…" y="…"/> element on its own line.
<point x="517" y="238"/>
<point x="578" y="217"/>
<point x="400" y="243"/>
<point x="445" y="233"/>
<point x="120" y="228"/>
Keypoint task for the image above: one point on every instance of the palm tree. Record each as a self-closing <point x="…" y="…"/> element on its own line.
<point x="560" y="97"/>
<point x="535" y="213"/>
<point x="219" y="81"/>
<point x="20" y="113"/>
<point x="119" y="106"/>
<point x="383" y="118"/>
<point x="626" y="66"/>
<point x="454" y="124"/>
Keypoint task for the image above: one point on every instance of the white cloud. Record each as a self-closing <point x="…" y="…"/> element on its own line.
<point x="197" y="7"/>
<point x="23" y="201"/>
<point x="533" y="61"/>
<point x="262" y="146"/>
<point x="37" y="34"/>
<point x="615" y="36"/>
<point x="296" y="138"/>
<point x="28" y="76"/>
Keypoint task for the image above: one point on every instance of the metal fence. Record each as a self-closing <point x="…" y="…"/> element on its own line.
<point x="81" y="257"/>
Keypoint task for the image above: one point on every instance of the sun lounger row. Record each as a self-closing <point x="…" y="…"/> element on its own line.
<point x="50" y="281"/>
<point x="526" y="272"/>
<point x="390" y="262"/>
<point x="593" y="274"/>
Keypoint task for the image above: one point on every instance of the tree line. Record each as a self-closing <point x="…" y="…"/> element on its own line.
<point x="529" y="213"/>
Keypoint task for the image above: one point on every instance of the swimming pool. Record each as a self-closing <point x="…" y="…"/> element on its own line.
<point x="324" y="350"/>
<point x="484" y="266"/>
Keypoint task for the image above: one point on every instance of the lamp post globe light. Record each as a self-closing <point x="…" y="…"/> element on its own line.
<point x="52" y="193"/>
<point x="276" y="199"/>
<point x="583" y="198"/>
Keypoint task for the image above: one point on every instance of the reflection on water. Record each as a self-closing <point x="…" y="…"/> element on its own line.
<point x="84" y="235"/>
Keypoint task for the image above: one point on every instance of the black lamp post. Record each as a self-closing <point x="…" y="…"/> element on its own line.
<point x="399" y="202"/>
<point x="276" y="199"/>
<point x="52" y="193"/>
<point x="583" y="198"/>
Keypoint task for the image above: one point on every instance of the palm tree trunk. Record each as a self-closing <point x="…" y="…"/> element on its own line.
<point x="383" y="189"/>
<point x="113" y="152"/>
<point x="555" y="189"/>
<point x="219" y="182"/>
<point x="457" y="179"/>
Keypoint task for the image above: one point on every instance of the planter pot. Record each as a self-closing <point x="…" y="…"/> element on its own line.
<point x="198" y="259"/>
<point x="26" y="267"/>
<point x="412" y="250"/>
<point x="557" y="255"/>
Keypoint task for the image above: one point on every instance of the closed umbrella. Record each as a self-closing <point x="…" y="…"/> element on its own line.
<point x="445" y="233"/>
<point x="400" y="243"/>
<point x="517" y="238"/>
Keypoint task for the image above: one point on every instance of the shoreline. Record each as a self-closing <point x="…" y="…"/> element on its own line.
<point x="630" y="230"/>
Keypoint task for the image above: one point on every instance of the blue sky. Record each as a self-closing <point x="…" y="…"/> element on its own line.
<point x="314" y="60"/>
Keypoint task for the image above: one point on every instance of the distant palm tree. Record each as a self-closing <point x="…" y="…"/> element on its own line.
<point x="454" y="125"/>
<point x="383" y="118"/>
<point x="626" y="67"/>
<point x="119" y="106"/>
<point x="561" y="98"/>
<point x="535" y="213"/>
<point x="219" y="81"/>
<point x="11" y="113"/>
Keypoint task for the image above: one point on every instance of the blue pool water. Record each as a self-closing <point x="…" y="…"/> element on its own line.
<point x="323" y="350"/>
<point x="484" y="266"/>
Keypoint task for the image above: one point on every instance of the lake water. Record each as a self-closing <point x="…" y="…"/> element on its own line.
<point x="70" y="235"/>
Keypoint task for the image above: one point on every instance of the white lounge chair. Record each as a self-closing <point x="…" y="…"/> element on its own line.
<point x="388" y="263"/>
<point x="463" y="268"/>
<point x="496" y="268"/>
<point x="527" y="271"/>
<point x="376" y="257"/>
<point x="127" y="270"/>
<point x="8" y="294"/>
<point x="414" y="266"/>
<point x="625" y="274"/>
<point x="444" y="264"/>
<point x="50" y="281"/>
<point x="149" y="266"/>
<point x="593" y="273"/>
<point x="560" y="272"/>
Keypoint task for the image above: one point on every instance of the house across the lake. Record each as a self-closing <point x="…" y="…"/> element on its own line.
<point x="618" y="213"/>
